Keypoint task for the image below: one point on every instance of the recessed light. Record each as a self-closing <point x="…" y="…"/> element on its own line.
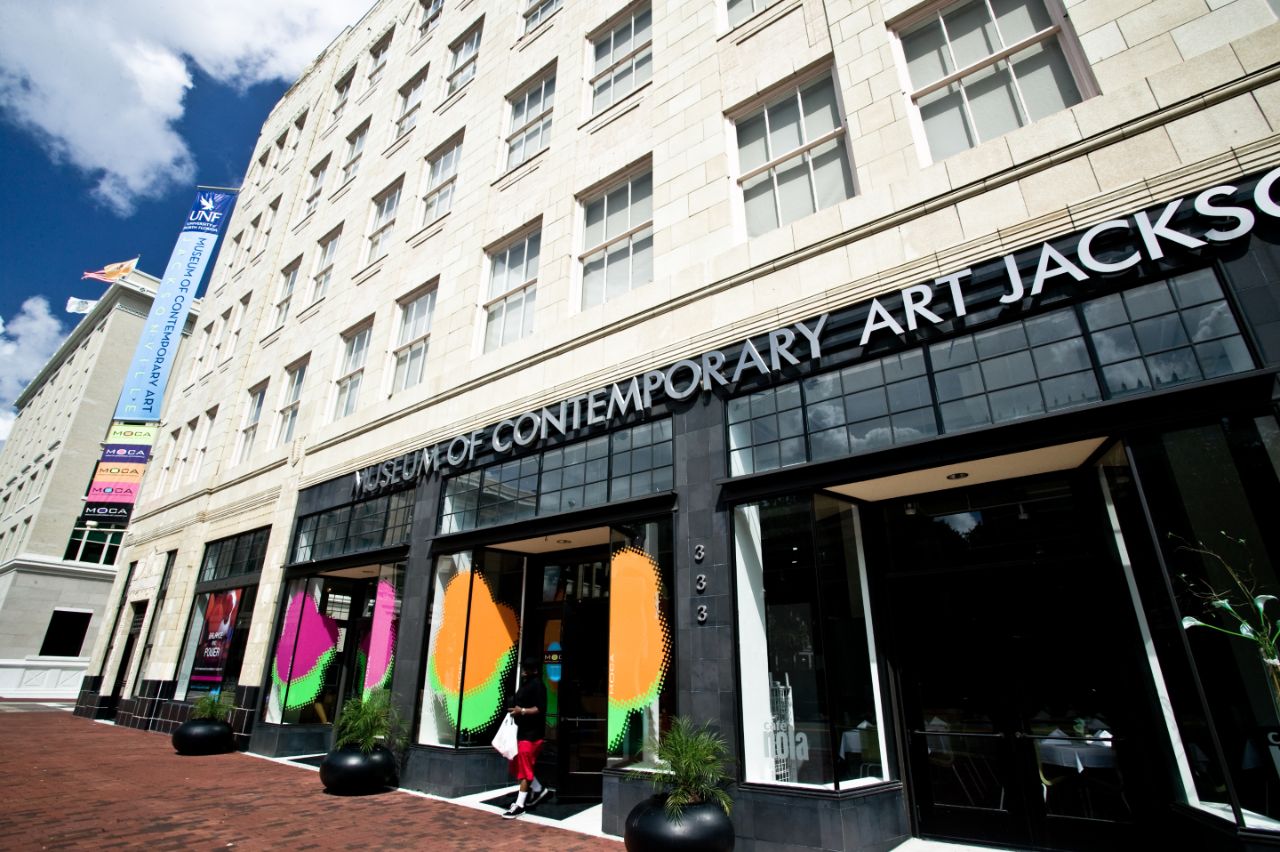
<point x="960" y="474"/>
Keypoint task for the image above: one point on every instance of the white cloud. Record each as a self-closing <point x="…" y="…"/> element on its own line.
<point x="102" y="84"/>
<point x="26" y="342"/>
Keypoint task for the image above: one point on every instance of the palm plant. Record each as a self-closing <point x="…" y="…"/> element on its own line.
<point x="368" y="722"/>
<point x="691" y="759"/>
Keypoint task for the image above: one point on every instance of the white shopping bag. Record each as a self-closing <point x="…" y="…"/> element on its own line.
<point x="505" y="740"/>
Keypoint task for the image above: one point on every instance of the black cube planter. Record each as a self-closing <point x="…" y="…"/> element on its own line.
<point x="704" y="827"/>
<point x="348" y="771"/>
<point x="203" y="736"/>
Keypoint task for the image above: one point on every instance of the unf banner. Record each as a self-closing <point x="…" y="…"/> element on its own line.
<point x="144" y="385"/>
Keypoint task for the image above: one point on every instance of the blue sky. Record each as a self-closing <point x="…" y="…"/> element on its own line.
<point x="110" y="115"/>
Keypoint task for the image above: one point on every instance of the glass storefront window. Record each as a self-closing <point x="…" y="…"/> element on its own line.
<point x="215" y="642"/>
<point x="368" y="525"/>
<point x="810" y="716"/>
<point x="234" y="556"/>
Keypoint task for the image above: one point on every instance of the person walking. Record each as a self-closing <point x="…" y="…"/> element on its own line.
<point x="528" y="705"/>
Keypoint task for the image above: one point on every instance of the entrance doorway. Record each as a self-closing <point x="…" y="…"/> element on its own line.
<point x="1026" y="704"/>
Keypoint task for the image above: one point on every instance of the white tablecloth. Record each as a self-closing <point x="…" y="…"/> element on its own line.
<point x="1077" y="755"/>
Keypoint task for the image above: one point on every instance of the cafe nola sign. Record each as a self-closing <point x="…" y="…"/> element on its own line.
<point x="1215" y="215"/>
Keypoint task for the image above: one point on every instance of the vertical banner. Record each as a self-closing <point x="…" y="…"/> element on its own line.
<point x="215" y="638"/>
<point x="143" y="392"/>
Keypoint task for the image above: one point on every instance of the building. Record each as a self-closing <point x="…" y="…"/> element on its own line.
<point x="853" y="374"/>
<point x="55" y="569"/>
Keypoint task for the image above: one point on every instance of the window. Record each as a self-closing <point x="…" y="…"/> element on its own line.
<point x="64" y="637"/>
<point x="342" y="93"/>
<point x="251" y="238"/>
<point x="740" y="10"/>
<point x="537" y="11"/>
<point x="98" y="545"/>
<point x="623" y="58"/>
<point x="298" y="124"/>
<point x="355" y="147"/>
<point x="252" y="415"/>
<point x="410" y="102"/>
<point x="411" y="344"/>
<point x="464" y="59"/>
<point x="356" y="349"/>
<point x="224" y="327"/>
<point x="442" y="175"/>
<point x="792" y="157"/>
<point x="268" y="220"/>
<point x="264" y="165"/>
<point x="324" y="264"/>
<point x="202" y="448"/>
<point x="170" y="461"/>
<point x="197" y="363"/>
<point x="292" y="401"/>
<point x="619" y="241"/>
<point x="530" y="121"/>
<point x="213" y="650"/>
<point x="184" y="451"/>
<point x="378" y="60"/>
<point x="238" y="249"/>
<point x="237" y="324"/>
<point x="430" y="16"/>
<point x="981" y="68"/>
<point x="317" y="186"/>
<point x="282" y="148"/>
<point x="288" y="279"/>
<point x="513" y="280"/>
<point x="383" y="222"/>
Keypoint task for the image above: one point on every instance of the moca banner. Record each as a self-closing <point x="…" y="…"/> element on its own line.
<point x="143" y="391"/>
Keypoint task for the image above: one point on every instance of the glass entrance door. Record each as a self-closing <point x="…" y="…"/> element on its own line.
<point x="1024" y="693"/>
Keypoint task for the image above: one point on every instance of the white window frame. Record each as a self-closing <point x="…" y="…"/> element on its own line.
<point x="351" y="366"/>
<point x="431" y="10"/>
<point x="288" y="284"/>
<point x="754" y="7"/>
<point x="441" y="178"/>
<point x="525" y="287"/>
<point x="378" y="60"/>
<point x="1059" y="30"/>
<point x="409" y="358"/>
<point x="295" y="377"/>
<point x="464" y="54"/>
<point x="282" y="147"/>
<point x="771" y="101"/>
<point x="268" y="222"/>
<point x="628" y="61"/>
<point x="298" y="124"/>
<point x="323" y="263"/>
<point x="252" y="418"/>
<point x="629" y="235"/>
<point x="382" y="221"/>
<point x="538" y="11"/>
<point x="196" y="466"/>
<point x="355" y="150"/>
<point x="224" y="327"/>
<point x="237" y="324"/>
<point x="206" y="337"/>
<point x="523" y="126"/>
<point x="410" y="103"/>
<point x="318" y="173"/>
<point x="342" y="94"/>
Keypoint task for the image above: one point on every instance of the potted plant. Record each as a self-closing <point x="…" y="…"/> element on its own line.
<point x="361" y="760"/>
<point x="690" y="810"/>
<point x="206" y="730"/>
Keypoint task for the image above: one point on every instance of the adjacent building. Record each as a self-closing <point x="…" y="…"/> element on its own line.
<point x="882" y="381"/>
<point x="56" y="569"/>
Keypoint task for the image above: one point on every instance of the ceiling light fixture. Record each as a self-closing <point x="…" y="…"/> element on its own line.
<point x="564" y="541"/>
<point x="960" y="474"/>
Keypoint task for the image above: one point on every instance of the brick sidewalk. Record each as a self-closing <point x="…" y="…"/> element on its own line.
<point x="69" y="783"/>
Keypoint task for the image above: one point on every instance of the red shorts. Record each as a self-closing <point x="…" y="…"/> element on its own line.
<point x="522" y="764"/>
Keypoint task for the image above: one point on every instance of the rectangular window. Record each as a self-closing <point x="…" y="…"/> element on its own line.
<point x="378" y="60"/>
<point x="366" y="525"/>
<point x="411" y="342"/>
<point x="355" y="351"/>
<point x="464" y="53"/>
<point x="220" y="339"/>
<point x="197" y="363"/>
<point x="213" y="650"/>
<point x="513" y="281"/>
<point x="355" y="148"/>
<point x="323" y="273"/>
<point x="316" y="187"/>
<point x="236" y="556"/>
<point x="268" y="221"/>
<point x="298" y="124"/>
<point x="64" y="637"/>
<point x="237" y="325"/>
<point x="288" y="280"/>
<point x="410" y="103"/>
<point x="530" y="130"/>
<point x="383" y="222"/>
<point x="201" y="452"/>
<point x="740" y="10"/>
<point x="537" y="11"/>
<point x="287" y="419"/>
<point x="619" y="241"/>
<point x="792" y="157"/>
<point x="341" y="94"/>
<point x="238" y="249"/>
<point x="981" y="68"/>
<point x="181" y="462"/>
<point x="442" y="175"/>
<point x="98" y="545"/>
<point x="623" y="58"/>
<point x="252" y="416"/>
<point x="431" y="10"/>
<point x="282" y="149"/>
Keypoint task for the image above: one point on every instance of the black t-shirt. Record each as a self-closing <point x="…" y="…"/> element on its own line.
<point x="531" y="726"/>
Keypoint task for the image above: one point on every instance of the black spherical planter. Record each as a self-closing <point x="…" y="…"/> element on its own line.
<point x="203" y="736"/>
<point x="704" y="827"/>
<point x="348" y="771"/>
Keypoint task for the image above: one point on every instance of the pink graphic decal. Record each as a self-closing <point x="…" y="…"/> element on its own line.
<point x="307" y="646"/>
<point x="381" y="641"/>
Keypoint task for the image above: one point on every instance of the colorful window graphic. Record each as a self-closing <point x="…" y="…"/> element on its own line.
<point x="639" y="639"/>
<point x="306" y="648"/>
<point x="378" y="646"/>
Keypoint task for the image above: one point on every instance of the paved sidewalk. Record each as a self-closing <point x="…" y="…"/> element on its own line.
<point x="69" y="783"/>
